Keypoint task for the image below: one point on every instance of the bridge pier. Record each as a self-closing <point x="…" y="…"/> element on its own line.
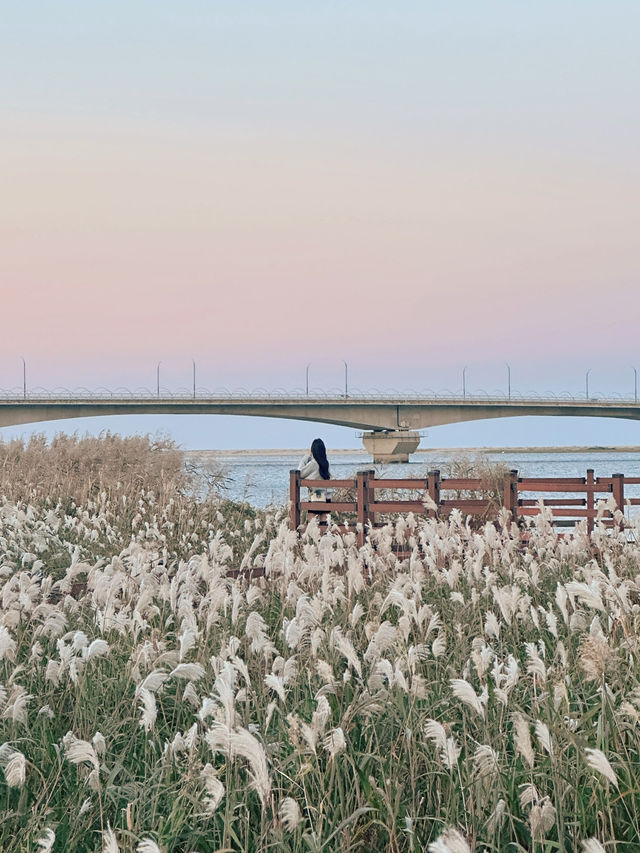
<point x="391" y="445"/>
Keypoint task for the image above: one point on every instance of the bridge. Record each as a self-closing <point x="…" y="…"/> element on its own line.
<point x="390" y="422"/>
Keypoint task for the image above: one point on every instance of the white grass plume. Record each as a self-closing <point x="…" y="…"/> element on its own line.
<point x="597" y="760"/>
<point x="290" y="815"/>
<point x="109" y="841"/>
<point x="464" y="691"/>
<point x="147" y="705"/>
<point x="592" y="845"/>
<point x="46" y="841"/>
<point x="451" y="841"/>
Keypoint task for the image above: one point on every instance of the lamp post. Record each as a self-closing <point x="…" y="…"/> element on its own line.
<point x="307" y="378"/>
<point x="586" y="382"/>
<point x="24" y="378"/>
<point x="193" y="362"/>
<point x="508" y="381"/>
<point x="635" y="384"/>
<point x="464" y="383"/>
<point x="158" y="379"/>
<point x="346" y="379"/>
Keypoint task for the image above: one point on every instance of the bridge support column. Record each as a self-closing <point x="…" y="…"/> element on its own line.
<point x="392" y="445"/>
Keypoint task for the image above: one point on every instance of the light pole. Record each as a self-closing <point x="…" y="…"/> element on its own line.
<point x="24" y="378"/>
<point x="464" y="383"/>
<point x="508" y="381"/>
<point x="635" y="384"/>
<point x="586" y="382"/>
<point x="346" y="379"/>
<point x="158" y="379"/>
<point x="307" y="379"/>
<point x="193" y="361"/>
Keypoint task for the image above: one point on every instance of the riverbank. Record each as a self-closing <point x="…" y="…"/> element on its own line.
<point x="422" y="451"/>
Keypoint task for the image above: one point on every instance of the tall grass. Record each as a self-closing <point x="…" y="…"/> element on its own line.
<point x="476" y="696"/>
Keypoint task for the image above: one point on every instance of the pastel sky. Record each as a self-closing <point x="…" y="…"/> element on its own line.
<point x="413" y="187"/>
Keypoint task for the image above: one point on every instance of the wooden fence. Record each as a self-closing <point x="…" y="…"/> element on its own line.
<point x="581" y="495"/>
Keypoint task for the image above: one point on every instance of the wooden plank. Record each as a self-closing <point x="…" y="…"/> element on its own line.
<point x="553" y="502"/>
<point x="555" y="486"/>
<point x="413" y="485"/>
<point x="469" y="484"/>
<point x="398" y="506"/>
<point x="328" y="484"/>
<point x="328" y="506"/>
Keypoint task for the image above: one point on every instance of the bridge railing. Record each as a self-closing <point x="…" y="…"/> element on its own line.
<point x="567" y="499"/>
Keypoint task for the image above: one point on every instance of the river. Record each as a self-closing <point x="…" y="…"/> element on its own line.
<point x="262" y="477"/>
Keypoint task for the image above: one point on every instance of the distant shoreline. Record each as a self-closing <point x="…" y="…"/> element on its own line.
<point x="445" y="450"/>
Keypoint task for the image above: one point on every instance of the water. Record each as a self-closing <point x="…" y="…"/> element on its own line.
<point x="262" y="478"/>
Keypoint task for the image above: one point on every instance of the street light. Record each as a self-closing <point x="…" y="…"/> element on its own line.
<point x="307" y="378"/>
<point x="193" y="361"/>
<point x="508" y="380"/>
<point x="158" y="379"/>
<point x="24" y="378"/>
<point x="464" y="383"/>
<point x="586" y="382"/>
<point x="346" y="378"/>
<point x="635" y="384"/>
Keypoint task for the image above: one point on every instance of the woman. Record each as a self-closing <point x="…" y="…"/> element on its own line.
<point x="314" y="466"/>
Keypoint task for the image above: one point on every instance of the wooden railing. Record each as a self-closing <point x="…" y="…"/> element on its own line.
<point x="580" y="501"/>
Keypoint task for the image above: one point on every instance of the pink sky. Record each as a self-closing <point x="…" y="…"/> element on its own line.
<point x="121" y="247"/>
<point x="413" y="193"/>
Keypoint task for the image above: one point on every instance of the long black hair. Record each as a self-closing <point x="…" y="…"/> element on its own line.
<point x="319" y="453"/>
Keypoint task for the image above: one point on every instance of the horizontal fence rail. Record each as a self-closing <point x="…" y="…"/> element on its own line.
<point x="432" y="496"/>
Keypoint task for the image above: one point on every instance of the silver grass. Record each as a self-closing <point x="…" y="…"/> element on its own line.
<point x="147" y="705"/>
<point x="290" y="815"/>
<point x="451" y="753"/>
<point x="451" y="841"/>
<point x="7" y="645"/>
<point x="346" y="649"/>
<point x="276" y="683"/>
<point x="148" y="845"/>
<point x="496" y="818"/>
<point x="80" y="751"/>
<point x="99" y="743"/>
<point x="16" y="707"/>
<point x="15" y="769"/>
<point x="591" y="845"/>
<point x="597" y="760"/>
<point x="464" y="691"/>
<point x="109" y="841"/>
<point x="485" y="761"/>
<point x="190" y="671"/>
<point x="435" y="731"/>
<point x="523" y="739"/>
<point x="46" y="841"/>
<point x="95" y="649"/>
<point x="439" y="645"/>
<point x="334" y="742"/>
<point x="544" y="736"/>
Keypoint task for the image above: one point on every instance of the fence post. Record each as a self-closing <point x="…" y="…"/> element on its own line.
<point x="618" y="490"/>
<point x="510" y="497"/>
<point x="294" y="499"/>
<point x="434" y="489"/>
<point x="590" y="501"/>
<point x="362" y="503"/>
<point x="371" y="496"/>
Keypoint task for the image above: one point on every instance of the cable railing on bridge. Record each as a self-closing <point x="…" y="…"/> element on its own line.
<point x="81" y="394"/>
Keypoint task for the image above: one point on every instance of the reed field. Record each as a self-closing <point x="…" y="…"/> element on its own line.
<point x="469" y="695"/>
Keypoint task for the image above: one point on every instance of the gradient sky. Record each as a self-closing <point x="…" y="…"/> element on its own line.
<point x="411" y="187"/>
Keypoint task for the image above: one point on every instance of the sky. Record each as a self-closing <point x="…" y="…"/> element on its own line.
<point x="410" y="188"/>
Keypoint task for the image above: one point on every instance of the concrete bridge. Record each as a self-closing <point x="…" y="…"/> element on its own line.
<point x="390" y="424"/>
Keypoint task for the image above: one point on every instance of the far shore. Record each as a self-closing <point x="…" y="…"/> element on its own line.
<point x="421" y="451"/>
